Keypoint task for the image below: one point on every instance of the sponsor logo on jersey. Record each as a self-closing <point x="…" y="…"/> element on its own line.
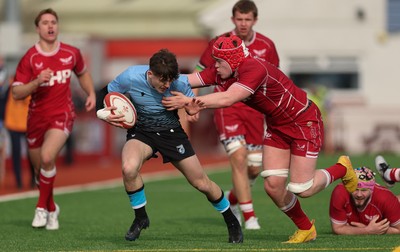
<point x="66" y="61"/>
<point x="39" y="65"/>
<point x="60" y="77"/>
<point x="31" y="140"/>
<point x="232" y="128"/>
<point x="260" y="53"/>
<point x="369" y="217"/>
<point x="180" y="149"/>
<point x="59" y="123"/>
<point x="301" y="147"/>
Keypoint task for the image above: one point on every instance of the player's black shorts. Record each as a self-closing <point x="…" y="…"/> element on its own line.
<point x="173" y="144"/>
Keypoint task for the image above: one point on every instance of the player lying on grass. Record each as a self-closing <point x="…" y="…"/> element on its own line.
<point x="371" y="209"/>
<point x="159" y="130"/>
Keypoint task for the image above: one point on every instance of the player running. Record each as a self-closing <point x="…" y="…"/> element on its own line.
<point x="159" y="130"/>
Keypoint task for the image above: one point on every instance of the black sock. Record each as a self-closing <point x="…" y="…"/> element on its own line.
<point x="140" y="213"/>
<point x="229" y="217"/>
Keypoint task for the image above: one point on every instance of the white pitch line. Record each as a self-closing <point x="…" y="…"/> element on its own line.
<point x="112" y="183"/>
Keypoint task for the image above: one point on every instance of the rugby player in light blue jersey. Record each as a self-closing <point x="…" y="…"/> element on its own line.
<point x="159" y="130"/>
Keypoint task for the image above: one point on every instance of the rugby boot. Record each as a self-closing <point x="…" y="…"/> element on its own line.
<point x="235" y="233"/>
<point x="136" y="227"/>
<point x="302" y="236"/>
<point x="349" y="179"/>
<point x="381" y="166"/>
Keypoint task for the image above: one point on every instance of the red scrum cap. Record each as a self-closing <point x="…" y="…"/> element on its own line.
<point x="231" y="49"/>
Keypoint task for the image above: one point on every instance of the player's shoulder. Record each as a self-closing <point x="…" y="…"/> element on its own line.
<point x="135" y="73"/>
<point x="68" y="46"/>
<point x="31" y="51"/>
<point x="254" y="64"/>
<point x="382" y="192"/>
<point x="262" y="37"/>
<point x="137" y="68"/>
<point x="339" y="189"/>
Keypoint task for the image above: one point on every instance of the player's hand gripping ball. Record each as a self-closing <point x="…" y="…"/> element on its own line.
<point x="124" y="107"/>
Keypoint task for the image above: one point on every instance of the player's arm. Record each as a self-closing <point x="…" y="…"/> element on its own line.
<point x="234" y="94"/>
<point x="394" y="229"/>
<point x="356" y="228"/>
<point x="194" y="80"/>
<point x="20" y="92"/>
<point x="104" y="113"/>
<point x="86" y="82"/>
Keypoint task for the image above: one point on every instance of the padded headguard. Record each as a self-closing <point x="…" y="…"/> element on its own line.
<point x="231" y="49"/>
<point x="366" y="177"/>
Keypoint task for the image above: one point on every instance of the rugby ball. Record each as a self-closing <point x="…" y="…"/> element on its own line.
<point x="124" y="107"/>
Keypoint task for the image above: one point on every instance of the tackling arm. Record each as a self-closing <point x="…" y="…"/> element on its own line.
<point x="234" y="94"/>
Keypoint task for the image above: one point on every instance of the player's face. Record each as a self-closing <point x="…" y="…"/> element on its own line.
<point x="223" y="68"/>
<point x="244" y="23"/>
<point x="157" y="83"/>
<point x="48" y="28"/>
<point x="361" y="197"/>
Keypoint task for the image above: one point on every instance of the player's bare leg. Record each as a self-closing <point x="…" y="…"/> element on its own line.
<point x="134" y="155"/>
<point x="196" y="176"/>
<point x="45" y="156"/>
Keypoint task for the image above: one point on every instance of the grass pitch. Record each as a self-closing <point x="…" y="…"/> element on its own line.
<point x="181" y="219"/>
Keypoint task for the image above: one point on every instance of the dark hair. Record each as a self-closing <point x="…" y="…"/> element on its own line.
<point x="45" y="11"/>
<point x="245" y="6"/>
<point x="164" y="65"/>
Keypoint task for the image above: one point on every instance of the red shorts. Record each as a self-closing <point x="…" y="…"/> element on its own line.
<point x="304" y="136"/>
<point x="240" y="119"/>
<point x="38" y="126"/>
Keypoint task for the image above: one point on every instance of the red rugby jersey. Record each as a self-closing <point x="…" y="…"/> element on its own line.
<point x="383" y="203"/>
<point x="272" y="92"/>
<point x="259" y="46"/>
<point x="53" y="97"/>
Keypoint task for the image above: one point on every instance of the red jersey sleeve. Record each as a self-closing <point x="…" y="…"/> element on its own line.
<point x="337" y="207"/>
<point x="208" y="76"/>
<point x="24" y="73"/>
<point x="80" y="66"/>
<point x="252" y="75"/>
<point x="388" y="204"/>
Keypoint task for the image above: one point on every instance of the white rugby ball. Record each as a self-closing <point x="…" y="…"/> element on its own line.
<point x="124" y="107"/>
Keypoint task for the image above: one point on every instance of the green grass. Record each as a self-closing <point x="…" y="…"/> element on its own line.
<point x="181" y="220"/>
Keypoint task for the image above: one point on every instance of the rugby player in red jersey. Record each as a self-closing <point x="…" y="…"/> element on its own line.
<point x="240" y="127"/>
<point x="45" y="72"/>
<point x="295" y="131"/>
<point x="371" y="209"/>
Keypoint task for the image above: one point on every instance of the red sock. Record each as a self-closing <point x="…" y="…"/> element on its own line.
<point x="336" y="171"/>
<point x="45" y="191"/>
<point x="247" y="209"/>
<point x="297" y="215"/>
<point x="232" y="198"/>
<point x="392" y="175"/>
<point x="51" y="206"/>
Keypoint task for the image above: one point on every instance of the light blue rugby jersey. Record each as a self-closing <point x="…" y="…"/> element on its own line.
<point x="151" y="114"/>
